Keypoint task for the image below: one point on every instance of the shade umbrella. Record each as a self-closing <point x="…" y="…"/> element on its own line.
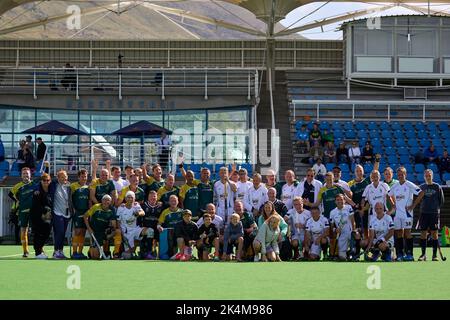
<point x="141" y="129"/>
<point x="54" y="128"/>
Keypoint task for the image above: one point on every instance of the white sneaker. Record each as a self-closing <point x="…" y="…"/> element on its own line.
<point x="42" y="256"/>
<point x="256" y="259"/>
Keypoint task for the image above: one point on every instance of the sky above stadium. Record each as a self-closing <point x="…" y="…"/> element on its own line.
<point x="332" y="9"/>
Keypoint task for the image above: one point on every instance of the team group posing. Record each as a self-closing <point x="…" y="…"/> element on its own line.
<point x="232" y="218"/>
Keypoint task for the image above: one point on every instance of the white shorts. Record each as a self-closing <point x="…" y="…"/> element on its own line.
<point x="343" y="242"/>
<point x="132" y="234"/>
<point x="315" y="249"/>
<point x="402" y="222"/>
<point x="300" y="237"/>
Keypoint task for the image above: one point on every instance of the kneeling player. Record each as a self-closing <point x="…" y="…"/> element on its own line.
<point x="266" y="240"/>
<point x="186" y="233"/>
<point x="98" y="219"/>
<point x="381" y="232"/>
<point x="127" y="215"/>
<point x="342" y="219"/>
<point x="209" y="238"/>
<point x="233" y="237"/>
<point x="316" y="235"/>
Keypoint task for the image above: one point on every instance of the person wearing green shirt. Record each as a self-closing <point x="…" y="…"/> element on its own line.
<point x="102" y="186"/>
<point x="189" y="195"/>
<point x="154" y="182"/>
<point x="167" y="190"/>
<point x="390" y="181"/>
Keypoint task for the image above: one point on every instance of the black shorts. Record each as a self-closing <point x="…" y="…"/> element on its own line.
<point x="429" y="221"/>
<point x="362" y="222"/>
<point x="231" y="246"/>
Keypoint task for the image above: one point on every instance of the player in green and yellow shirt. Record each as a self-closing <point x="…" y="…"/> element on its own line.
<point x="98" y="219"/>
<point x="189" y="195"/>
<point x="22" y="193"/>
<point x="133" y="186"/>
<point x="167" y="190"/>
<point x="80" y="200"/>
<point x="171" y="215"/>
<point x="101" y="186"/>
<point x="154" y="182"/>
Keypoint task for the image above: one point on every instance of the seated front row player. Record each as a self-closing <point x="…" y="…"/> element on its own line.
<point x="209" y="238"/>
<point x="316" y="235"/>
<point x="186" y="233"/>
<point x="266" y="241"/>
<point x="98" y="219"/>
<point x="233" y="237"/>
<point x="127" y="215"/>
<point x="381" y="232"/>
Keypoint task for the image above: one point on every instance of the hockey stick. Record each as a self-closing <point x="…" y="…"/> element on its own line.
<point x="443" y="258"/>
<point x="100" y="248"/>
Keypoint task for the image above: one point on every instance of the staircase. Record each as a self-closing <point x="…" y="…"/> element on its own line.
<point x="281" y="110"/>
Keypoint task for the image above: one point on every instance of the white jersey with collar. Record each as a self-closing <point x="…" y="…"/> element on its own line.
<point x="404" y="196"/>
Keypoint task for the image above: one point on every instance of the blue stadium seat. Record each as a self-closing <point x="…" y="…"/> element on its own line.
<point x="422" y="135"/>
<point x="437" y="142"/>
<point x="390" y="151"/>
<point x="310" y="125"/>
<point x="396" y="125"/>
<point x="434" y="167"/>
<point x="372" y="125"/>
<point x="360" y="126"/>
<point x="384" y="126"/>
<point x="346" y="176"/>
<point x="419" y="178"/>
<point x="362" y="134"/>
<point x="350" y="134"/>
<point x="413" y="143"/>
<point x="377" y="149"/>
<point x="324" y="125"/>
<point x="409" y="168"/>
<point x="424" y="142"/>
<point x="375" y="142"/>
<point x="404" y="159"/>
<point x="374" y="134"/>
<point x="336" y="125"/>
<point x="402" y="151"/>
<point x="420" y="126"/>
<point x="298" y="124"/>
<point x="443" y="126"/>
<point x="446" y="177"/>
<point x="249" y="168"/>
<point x="431" y="126"/>
<point x="329" y="166"/>
<point x="410" y="134"/>
<point x="398" y="134"/>
<point x="387" y="142"/>
<point x="338" y="134"/>
<point x="418" y="167"/>
<point x="407" y="126"/>
<point x="391" y="159"/>
<point x="368" y="167"/>
<point x="348" y="125"/>
<point x="344" y="167"/>
<point x="437" y="179"/>
<point x="14" y="170"/>
<point x="440" y="150"/>
<point x="386" y="134"/>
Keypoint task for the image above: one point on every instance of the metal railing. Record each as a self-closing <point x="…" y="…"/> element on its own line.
<point x="370" y="110"/>
<point x="119" y="80"/>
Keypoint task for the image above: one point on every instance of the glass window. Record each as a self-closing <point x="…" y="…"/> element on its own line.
<point x="416" y="42"/>
<point x="132" y="117"/>
<point x="6" y="124"/>
<point x="99" y="122"/>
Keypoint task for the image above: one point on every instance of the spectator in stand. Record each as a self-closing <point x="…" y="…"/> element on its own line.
<point x="320" y="170"/>
<point x="2" y="150"/>
<point x="342" y="154"/>
<point x="24" y="156"/>
<point x="327" y="137"/>
<point x="41" y="149"/>
<point x="367" y="154"/>
<point x="315" y="152"/>
<point x="431" y="155"/>
<point x="315" y="135"/>
<point x="354" y="153"/>
<point x="29" y="143"/>
<point x="330" y="153"/>
<point x="444" y="164"/>
<point x="419" y="157"/>
<point x="303" y="140"/>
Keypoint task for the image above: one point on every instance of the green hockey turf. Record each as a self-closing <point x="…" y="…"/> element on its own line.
<point x="35" y="279"/>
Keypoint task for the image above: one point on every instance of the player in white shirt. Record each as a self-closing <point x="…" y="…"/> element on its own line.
<point x="375" y="192"/>
<point x="298" y="216"/>
<point x="308" y="188"/>
<point x="402" y="194"/>
<point x="243" y="185"/>
<point x="381" y="232"/>
<point x="127" y="215"/>
<point x="343" y="220"/>
<point x="316" y="235"/>
<point x="256" y="196"/>
<point x="216" y="219"/>
<point x="289" y="188"/>
<point x="224" y="192"/>
<point x="119" y="183"/>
